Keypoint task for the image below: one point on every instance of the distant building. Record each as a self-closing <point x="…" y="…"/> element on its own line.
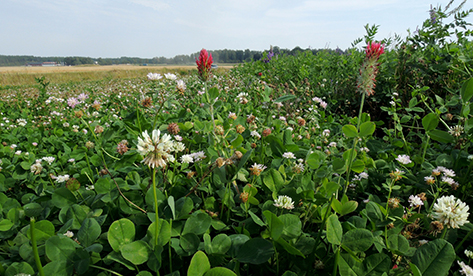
<point x="45" y="64"/>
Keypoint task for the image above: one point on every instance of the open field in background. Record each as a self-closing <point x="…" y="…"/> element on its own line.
<point x="21" y="75"/>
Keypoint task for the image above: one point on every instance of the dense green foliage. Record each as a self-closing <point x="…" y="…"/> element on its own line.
<point x="281" y="166"/>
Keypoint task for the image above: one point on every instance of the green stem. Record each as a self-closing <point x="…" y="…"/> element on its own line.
<point x="425" y="148"/>
<point x="355" y="141"/>
<point x="105" y="269"/>
<point x="169" y="252"/>
<point x="389" y="195"/>
<point x="155" y="194"/>
<point x="35" y="248"/>
<point x="444" y="233"/>
<point x="463" y="240"/>
<point x="90" y="169"/>
<point x="335" y="265"/>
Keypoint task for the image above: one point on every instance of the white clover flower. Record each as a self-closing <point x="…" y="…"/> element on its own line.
<point x="284" y="202"/>
<point x="154" y="76"/>
<point x="181" y="85"/>
<point x="448" y="172"/>
<point x="363" y="175"/>
<point x="403" y="159"/>
<point x="36" y="168"/>
<point x="62" y="178"/>
<point x="323" y="104"/>
<point x="365" y="149"/>
<point x="69" y="234"/>
<point x="290" y="128"/>
<point x="18" y="152"/>
<point x="289" y="155"/>
<point x="465" y="269"/>
<point x="415" y="201"/>
<point x="187" y="158"/>
<point x="48" y="159"/>
<point x="469" y="254"/>
<point x="21" y="122"/>
<point x="448" y="180"/>
<point x="178" y="146"/>
<point x="91" y="187"/>
<point x="332" y="145"/>
<point x="422" y="242"/>
<point x="326" y="132"/>
<point x="254" y="133"/>
<point x="198" y="155"/>
<point x="451" y="212"/>
<point x="178" y="138"/>
<point x="298" y="168"/>
<point x="72" y="160"/>
<point x="156" y="150"/>
<point x="392" y="103"/>
<point x="170" y="76"/>
<point x="317" y="99"/>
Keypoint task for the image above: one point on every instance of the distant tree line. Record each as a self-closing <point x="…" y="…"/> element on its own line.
<point x="219" y="56"/>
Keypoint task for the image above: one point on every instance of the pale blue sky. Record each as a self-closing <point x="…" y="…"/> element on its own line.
<point x="150" y="28"/>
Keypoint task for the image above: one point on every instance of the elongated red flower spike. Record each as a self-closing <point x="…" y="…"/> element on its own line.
<point x="374" y="50"/>
<point x="204" y="64"/>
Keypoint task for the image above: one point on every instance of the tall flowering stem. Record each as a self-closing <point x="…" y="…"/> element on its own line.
<point x="204" y="64"/>
<point x="365" y="84"/>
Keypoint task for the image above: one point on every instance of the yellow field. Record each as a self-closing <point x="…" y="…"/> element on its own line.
<point x="22" y="75"/>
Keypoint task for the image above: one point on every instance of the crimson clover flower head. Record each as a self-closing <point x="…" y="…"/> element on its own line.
<point x="374" y="50"/>
<point x="204" y="63"/>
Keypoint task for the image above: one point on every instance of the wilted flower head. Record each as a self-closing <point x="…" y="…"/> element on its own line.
<point x="456" y="130"/>
<point x="396" y="175"/>
<point x="451" y="211"/>
<point x="204" y="64"/>
<point x="256" y="169"/>
<point x="122" y="147"/>
<point x="284" y="202"/>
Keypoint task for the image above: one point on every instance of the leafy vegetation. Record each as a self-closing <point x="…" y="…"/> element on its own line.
<point x="354" y="163"/>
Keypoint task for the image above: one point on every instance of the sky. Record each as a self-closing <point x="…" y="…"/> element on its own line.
<point x="154" y="28"/>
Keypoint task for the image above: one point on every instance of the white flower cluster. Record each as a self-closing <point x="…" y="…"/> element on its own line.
<point x="415" y="201"/>
<point x="465" y="269"/>
<point x="193" y="157"/>
<point x="403" y="159"/>
<point x="154" y="76"/>
<point x="289" y="155"/>
<point x="157" y="149"/>
<point x="284" y="202"/>
<point x="451" y="212"/>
